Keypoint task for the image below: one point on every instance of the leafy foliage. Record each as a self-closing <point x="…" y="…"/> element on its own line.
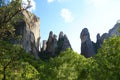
<point x="14" y="64"/>
<point x="108" y="60"/>
<point x="10" y="14"/>
<point x="69" y="65"/>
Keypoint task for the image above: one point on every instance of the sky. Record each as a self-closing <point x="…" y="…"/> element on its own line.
<point x="71" y="16"/>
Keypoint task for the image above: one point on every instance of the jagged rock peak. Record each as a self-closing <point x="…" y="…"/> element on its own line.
<point x="51" y="44"/>
<point x="98" y="36"/>
<point x="55" y="36"/>
<point x="84" y="35"/>
<point x="99" y="40"/>
<point x="114" y="30"/>
<point x="54" y="46"/>
<point x="66" y="43"/>
<point x="61" y="35"/>
<point x="87" y="48"/>
<point x="44" y="46"/>
<point x="105" y="36"/>
<point x="50" y="34"/>
<point x="63" y="42"/>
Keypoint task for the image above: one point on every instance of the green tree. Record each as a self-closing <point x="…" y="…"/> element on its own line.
<point x="107" y="61"/>
<point x="69" y="65"/>
<point x="14" y="63"/>
<point x="10" y="14"/>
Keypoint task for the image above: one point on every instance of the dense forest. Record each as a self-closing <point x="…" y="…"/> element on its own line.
<point x="16" y="64"/>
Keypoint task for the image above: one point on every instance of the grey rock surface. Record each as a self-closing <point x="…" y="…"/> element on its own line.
<point x="66" y="43"/>
<point x="29" y="29"/>
<point x="87" y="48"/>
<point x="54" y="46"/>
<point x="51" y="44"/>
<point x="44" y="46"/>
<point x="114" y="30"/>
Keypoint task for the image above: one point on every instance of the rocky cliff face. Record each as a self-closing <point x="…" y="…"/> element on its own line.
<point x="86" y="44"/>
<point x="88" y="47"/>
<point x="53" y="46"/>
<point x="29" y="29"/>
<point x="63" y="43"/>
<point x="114" y="30"/>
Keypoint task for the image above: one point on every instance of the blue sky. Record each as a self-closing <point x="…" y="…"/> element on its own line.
<point x="71" y="16"/>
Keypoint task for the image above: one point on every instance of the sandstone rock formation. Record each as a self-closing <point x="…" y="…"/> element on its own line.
<point x="114" y="30"/>
<point x="44" y="46"/>
<point x="99" y="41"/>
<point x="63" y="43"/>
<point x="51" y="44"/>
<point x="66" y="44"/>
<point x="86" y="44"/>
<point x="29" y="29"/>
<point x="54" y="46"/>
<point x="88" y="47"/>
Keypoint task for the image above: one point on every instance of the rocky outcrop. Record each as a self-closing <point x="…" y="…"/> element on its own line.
<point x="88" y="47"/>
<point x="29" y="29"/>
<point x="54" y="46"/>
<point x="44" y="46"/>
<point x="104" y="36"/>
<point x="86" y="44"/>
<point x="66" y="43"/>
<point x="115" y="29"/>
<point x="63" y="43"/>
<point x="51" y="44"/>
<point x="99" y="41"/>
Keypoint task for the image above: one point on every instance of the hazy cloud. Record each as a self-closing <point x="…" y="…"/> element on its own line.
<point x="67" y="15"/>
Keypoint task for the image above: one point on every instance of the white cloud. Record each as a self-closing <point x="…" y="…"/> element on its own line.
<point x="50" y="1"/>
<point x="32" y="4"/>
<point x="67" y="15"/>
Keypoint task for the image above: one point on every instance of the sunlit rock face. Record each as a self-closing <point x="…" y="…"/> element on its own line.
<point x="29" y="29"/>
<point x="86" y="44"/>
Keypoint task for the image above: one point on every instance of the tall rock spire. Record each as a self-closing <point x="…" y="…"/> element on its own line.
<point x="86" y="44"/>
